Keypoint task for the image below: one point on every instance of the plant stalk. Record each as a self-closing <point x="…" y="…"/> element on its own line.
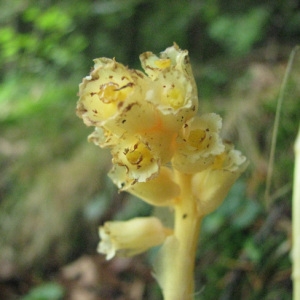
<point x="179" y="284"/>
<point x="296" y="222"/>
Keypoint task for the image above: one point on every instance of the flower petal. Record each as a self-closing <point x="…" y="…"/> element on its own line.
<point x="160" y="191"/>
<point x="139" y="160"/>
<point x="198" y="144"/>
<point x="174" y="90"/>
<point x="103" y="138"/>
<point x="172" y="57"/>
<point x="103" y="93"/>
<point x="128" y="238"/>
<point x="211" y="186"/>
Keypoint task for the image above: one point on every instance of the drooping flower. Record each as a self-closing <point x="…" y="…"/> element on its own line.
<point x="172" y="58"/>
<point x="211" y="186"/>
<point x="160" y="191"/>
<point x="198" y="144"/>
<point x="140" y="161"/>
<point x="137" y="116"/>
<point x="128" y="238"/>
<point x="173" y="88"/>
<point x="163" y="153"/>
<point x="109" y="87"/>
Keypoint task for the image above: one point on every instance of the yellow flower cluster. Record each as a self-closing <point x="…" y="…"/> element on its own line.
<point x="149" y="121"/>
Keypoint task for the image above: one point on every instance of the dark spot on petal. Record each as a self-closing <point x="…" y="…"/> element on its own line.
<point x="129" y="84"/>
<point x="134" y="181"/>
<point x="138" y="74"/>
<point x="128" y="107"/>
<point x="139" y="161"/>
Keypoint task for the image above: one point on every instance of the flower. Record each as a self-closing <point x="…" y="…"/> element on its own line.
<point x="112" y="89"/>
<point x="149" y="123"/>
<point x="173" y="57"/>
<point x="160" y="191"/>
<point x="128" y="238"/>
<point x="212" y="185"/>
<point x="198" y="143"/>
<point x="109" y="87"/>
<point x="174" y="90"/>
<point x="139" y="159"/>
<point x="163" y="153"/>
<point x="138" y="116"/>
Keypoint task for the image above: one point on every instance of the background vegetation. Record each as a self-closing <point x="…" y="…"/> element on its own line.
<point x="54" y="191"/>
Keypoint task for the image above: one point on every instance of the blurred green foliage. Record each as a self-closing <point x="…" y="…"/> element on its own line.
<point x="237" y="34"/>
<point x="54" y="181"/>
<point x="48" y="291"/>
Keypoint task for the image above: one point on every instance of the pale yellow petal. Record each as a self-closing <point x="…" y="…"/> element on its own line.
<point x="103" y="93"/>
<point x="173" y="90"/>
<point x="172" y="57"/>
<point x="211" y="186"/>
<point x="119" y="176"/>
<point x="152" y="64"/>
<point x="128" y="238"/>
<point x="135" y="118"/>
<point x="198" y="144"/>
<point x="139" y="160"/>
<point x="103" y="138"/>
<point x="160" y="191"/>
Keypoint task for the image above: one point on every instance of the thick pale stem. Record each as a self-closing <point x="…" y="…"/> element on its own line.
<point x="296" y="222"/>
<point x="179" y="283"/>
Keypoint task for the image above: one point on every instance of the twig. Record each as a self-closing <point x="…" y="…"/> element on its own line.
<point x="296" y="222"/>
<point x="276" y="125"/>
